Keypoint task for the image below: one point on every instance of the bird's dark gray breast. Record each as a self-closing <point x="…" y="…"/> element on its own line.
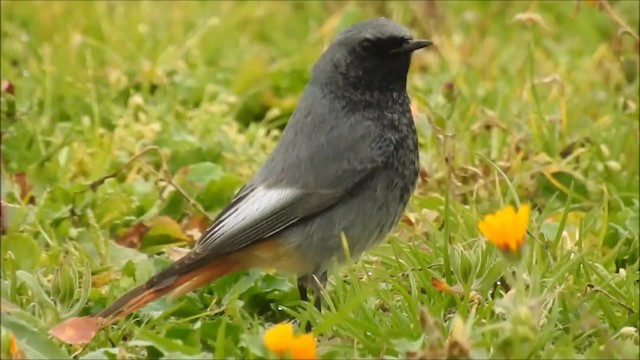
<point x="391" y="113"/>
<point x="373" y="208"/>
<point x="397" y="177"/>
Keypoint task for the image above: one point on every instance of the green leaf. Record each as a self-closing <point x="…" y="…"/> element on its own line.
<point x="166" y="345"/>
<point x="35" y="344"/>
<point x="274" y="283"/>
<point x="202" y="173"/>
<point x="84" y="293"/>
<point x="101" y="354"/>
<point x="113" y="208"/>
<point x="217" y="193"/>
<point x="163" y="231"/>
<point x="23" y="316"/>
<point x="164" y="225"/>
<point x="36" y="290"/>
<point x="25" y="250"/>
<point x="173" y="205"/>
<point x="119" y="255"/>
<point x="254" y="344"/>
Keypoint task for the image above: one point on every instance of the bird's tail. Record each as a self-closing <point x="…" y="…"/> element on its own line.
<point x="183" y="276"/>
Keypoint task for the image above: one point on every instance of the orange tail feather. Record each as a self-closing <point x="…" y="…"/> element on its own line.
<point x="160" y="285"/>
<point x="195" y="270"/>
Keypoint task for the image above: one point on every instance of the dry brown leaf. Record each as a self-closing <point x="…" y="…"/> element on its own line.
<point x="77" y="330"/>
<point x="176" y="253"/>
<point x="194" y="226"/>
<point x="164" y="225"/>
<point x="133" y="236"/>
<point x="25" y="189"/>
<point x="409" y="219"/>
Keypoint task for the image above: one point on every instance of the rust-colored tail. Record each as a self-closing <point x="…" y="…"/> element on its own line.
<point x="183" y="276"/>
<point x="197" y="269"/>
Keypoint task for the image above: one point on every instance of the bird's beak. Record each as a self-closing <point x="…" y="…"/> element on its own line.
<point x="412" y="45"/>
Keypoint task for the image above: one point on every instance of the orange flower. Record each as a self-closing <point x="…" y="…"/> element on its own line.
<point x="506" y="228"/>
<point x="281" y="341"/>
<point x="303" y="347"/>
<point x="14" y="351"/>
<point x="278" y="338"/>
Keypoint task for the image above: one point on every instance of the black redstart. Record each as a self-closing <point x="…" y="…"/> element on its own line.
<point x="346" y="163"/>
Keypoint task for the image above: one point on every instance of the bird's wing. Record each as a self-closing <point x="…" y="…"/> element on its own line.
<point x="258" y="213"/>
<point x="295" y="183"/>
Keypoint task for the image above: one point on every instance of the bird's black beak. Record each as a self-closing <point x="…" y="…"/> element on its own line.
<point x="412" y="45"/>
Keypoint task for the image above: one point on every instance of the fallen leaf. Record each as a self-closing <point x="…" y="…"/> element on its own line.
<point x="77" y="330"/>
<point x="25" y="189"/>
<point x="409" y="219"/>
<point x="194" y="226"/>
<point x="176" y="253"/>
<point x="164" y="225"/>
<point x="133" y="236"/>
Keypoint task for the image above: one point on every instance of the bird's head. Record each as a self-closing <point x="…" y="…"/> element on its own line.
<point x="372" y="54"/>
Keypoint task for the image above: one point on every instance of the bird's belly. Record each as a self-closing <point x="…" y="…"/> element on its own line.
<point x="365" y="218"/>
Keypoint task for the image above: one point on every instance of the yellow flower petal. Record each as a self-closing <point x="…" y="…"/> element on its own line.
<point x="279" y="338"/>
<point x="303" y="347"/>
<point x="506" y="228"/>
<point x="13" y="345"/>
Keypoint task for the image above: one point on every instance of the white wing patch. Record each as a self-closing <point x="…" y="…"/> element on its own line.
<point x="261" y="205"/>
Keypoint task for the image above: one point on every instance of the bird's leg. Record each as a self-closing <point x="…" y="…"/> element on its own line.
<point x="318" y="284"/>
<point x="302" y="288"/>
<point x="303" y="285"/>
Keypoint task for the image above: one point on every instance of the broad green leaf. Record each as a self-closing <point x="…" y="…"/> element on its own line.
<point x="113" y="208"/>
<point x="25" y="250"/>
<point x="166" y="345"/>
<point x="202" y="173"/>
<point x="119" y="255"/>
<point x="35" y="344"/>
<point x="217" y="193"/>
<point x="163" y="231"/>
<point x="101" y="354"/>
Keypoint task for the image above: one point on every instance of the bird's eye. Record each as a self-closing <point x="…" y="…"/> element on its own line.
<point x="366" y="46"/>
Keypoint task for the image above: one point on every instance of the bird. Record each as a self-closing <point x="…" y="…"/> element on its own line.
<point x="344" y="167"/>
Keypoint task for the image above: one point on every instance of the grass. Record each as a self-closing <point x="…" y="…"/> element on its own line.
<point x="523" y="102"/>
